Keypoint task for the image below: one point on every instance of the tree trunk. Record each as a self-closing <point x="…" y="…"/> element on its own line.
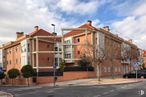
<point x="1" y="81"/>
<point x="112" y="71"/>
<point x="12" y="82"/>
<point x="98" y="72"/>
<point x="28" y="81"/>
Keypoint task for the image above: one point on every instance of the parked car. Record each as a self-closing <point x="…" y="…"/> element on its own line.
<point x="132" y="74"/>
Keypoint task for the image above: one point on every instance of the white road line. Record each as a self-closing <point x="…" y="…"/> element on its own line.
<point x="111" y="91"/>
<point x="106" y="93"/>
<point x="24" y="88"/>
<point x="97" y="96"/>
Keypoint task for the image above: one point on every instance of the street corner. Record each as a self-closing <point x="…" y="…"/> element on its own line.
<point x="116" y="81"/>
<point x="4" y="94"/>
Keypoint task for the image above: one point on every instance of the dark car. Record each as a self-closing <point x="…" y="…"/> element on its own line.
<point x="132" y="74"/>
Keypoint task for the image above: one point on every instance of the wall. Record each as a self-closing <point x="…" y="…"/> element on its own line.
<point x="13" y="57"/>
<point x="67" y="76"/>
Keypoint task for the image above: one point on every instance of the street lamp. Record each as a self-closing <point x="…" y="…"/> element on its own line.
<point x="54" y="65"/>
<point x="54" y="27"/>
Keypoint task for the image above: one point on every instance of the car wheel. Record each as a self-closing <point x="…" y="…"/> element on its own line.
<point x="126" y="77"/>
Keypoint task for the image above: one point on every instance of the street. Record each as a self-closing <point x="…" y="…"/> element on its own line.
<point x="126" y="90"/>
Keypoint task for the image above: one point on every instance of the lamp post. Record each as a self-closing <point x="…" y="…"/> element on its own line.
<point x="54" y="65"/>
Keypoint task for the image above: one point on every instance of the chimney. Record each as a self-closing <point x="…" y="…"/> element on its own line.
<point x="54" y="34"/>
<point x="106" y="28"/>
<point x="19" y="34"/>
<point x="36" y="28"/>
<point x="130" y="40"/>
<point x="89" y="22"/>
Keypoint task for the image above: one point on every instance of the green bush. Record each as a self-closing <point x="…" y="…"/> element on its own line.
<point x="13" y="73"/>
<point x="83" y="62"/>
<point x="27" y="72"/>
<point x="62" y="65"/>
<point x="2" y="76"/>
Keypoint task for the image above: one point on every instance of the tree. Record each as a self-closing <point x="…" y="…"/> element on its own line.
<point x="84" y="62"/>
<point x="62" y="65"/>
<point x="13" y="73"/>
<point x="27" y="72"/>
<point x="95" y="55"/>
<point x="2" y="76"/>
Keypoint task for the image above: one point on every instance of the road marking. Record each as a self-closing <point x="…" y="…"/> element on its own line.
<point x="111" y="91"/>
<point x="105" y="93"/>
<point x="24" y="88"/>
<point x="97" y="96"/>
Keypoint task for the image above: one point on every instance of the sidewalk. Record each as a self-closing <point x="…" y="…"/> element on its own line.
<point x="94" y="81"/>
<point x="4" y="94"/>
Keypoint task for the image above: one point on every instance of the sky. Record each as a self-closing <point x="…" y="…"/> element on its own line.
<point x="127" y="18"/>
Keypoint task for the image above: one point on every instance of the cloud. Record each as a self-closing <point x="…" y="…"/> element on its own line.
<point x="133" y="26"/>
<point x="78" y="7"/>
<point x="18" y="15"/>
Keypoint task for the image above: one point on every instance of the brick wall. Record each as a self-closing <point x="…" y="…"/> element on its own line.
<point x="67" y="76"/>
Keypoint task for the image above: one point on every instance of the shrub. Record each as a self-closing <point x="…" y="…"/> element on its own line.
<point x="62" y="65"/>
<point x="27" y="72"/>
<point x="2" y="76"/>
<point x="13" y="73"/>
<point x="83" y="62"/>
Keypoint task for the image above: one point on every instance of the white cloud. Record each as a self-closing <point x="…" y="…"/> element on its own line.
<point x="23" y="15"/>
<point x="19" y="15"/>
<point x="78" y="7"/>
<point x="133" y="26"/>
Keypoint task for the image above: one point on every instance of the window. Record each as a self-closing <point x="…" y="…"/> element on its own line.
<point x="24" y="49"/>
<point x="67" y="55"/>
<point x="104" y="69"/>
<point x="109" y="69"/>
<point x="10" y="62"/>
<point x="16" y="49"/>
<point x="28" y="47"/>
<point x="56" y="48"/>
<point x="48" y="45"/>
<point x="16" y="61"/>
<point x="116" y="70"/>
<point x="48" y="59"/>
<point x="78" y="52"/>
<point x="78" y="40"/>
<point x="96" y="40"/>
<point x="59" y="49"/>
<point x="119" y="69"/>
<point x="56" y="61"/>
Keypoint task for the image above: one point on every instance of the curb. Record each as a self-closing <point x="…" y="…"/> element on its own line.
<point x="102" y="84"/>
<point x="5" y="94"/>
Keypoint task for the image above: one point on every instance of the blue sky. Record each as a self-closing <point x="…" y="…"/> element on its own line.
<point x="127" y="18"/>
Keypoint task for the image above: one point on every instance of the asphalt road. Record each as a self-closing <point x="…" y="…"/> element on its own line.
<point x="128" y="90"/>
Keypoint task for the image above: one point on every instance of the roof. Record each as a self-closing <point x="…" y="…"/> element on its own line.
<point x="88" y="26"/>
<point x="39" y="32"/>
<point x="75" y="32"/>
<point x="144" y="51"/>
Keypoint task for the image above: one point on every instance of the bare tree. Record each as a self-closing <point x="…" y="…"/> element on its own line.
<point x="126" y="55"/>
<point x="113" y="54"/>
<point x="95" y="55"/>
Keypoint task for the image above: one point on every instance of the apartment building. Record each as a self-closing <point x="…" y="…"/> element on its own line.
<point x="118" y="53"/>
<point x="1" y="56"/>
<point x="144" y="58"/>
<point x="40" y="48"/>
